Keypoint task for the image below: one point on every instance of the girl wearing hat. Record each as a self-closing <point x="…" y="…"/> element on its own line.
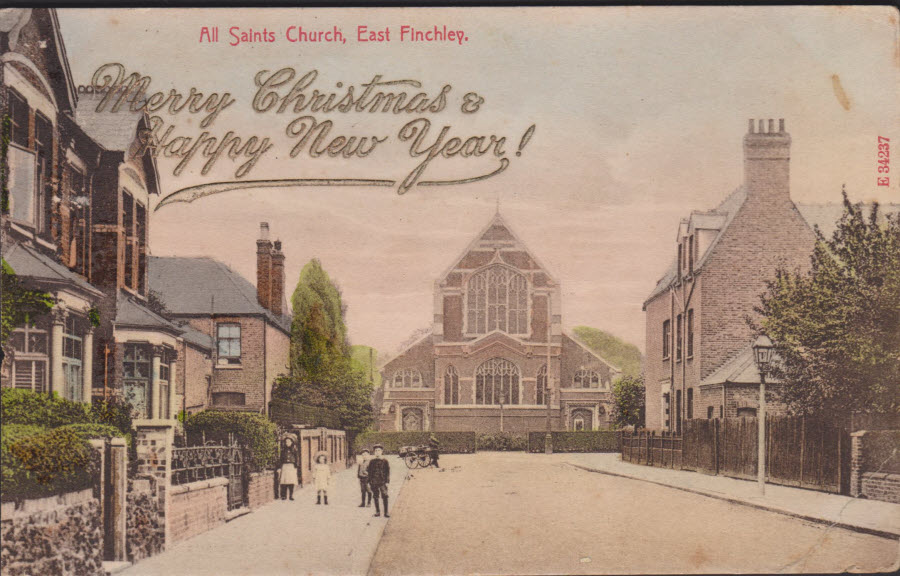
<point x="322" y="477"/>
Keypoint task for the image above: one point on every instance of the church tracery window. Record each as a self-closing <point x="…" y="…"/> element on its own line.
<point x="585" y="378"/>
<point x="496" y="382"/>
<point x="407" y="378"/>
<point x="451" y="386"/>
<point x="497" y="299"/>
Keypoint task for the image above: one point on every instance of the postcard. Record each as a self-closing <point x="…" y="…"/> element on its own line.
<point x="462" y="290"/>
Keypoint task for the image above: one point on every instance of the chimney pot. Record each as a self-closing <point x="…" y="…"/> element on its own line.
<point x="781" y="125"/>
<point x="762" y="126"/>
<point x="278" y="245"/>
<point x="771" y="126"/>
<point x="750" y="128"/>
<point x="263" y="230"/>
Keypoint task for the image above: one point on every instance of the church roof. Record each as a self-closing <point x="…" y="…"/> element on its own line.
<point x="591" y="351"/>
<point x="497" y="231"/>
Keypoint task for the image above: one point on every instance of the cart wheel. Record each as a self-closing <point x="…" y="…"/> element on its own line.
<point x="424" y="460"/>
<point x="411" y="461"/>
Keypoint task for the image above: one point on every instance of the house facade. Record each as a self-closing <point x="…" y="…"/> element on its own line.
<point x="245" y="327"/>
<point x="496" y="357"/>
<point x="699" y="361"/>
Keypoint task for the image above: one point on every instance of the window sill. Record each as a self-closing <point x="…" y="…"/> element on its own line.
<point x="228" y="366"/>
<point x="666" y="358"/>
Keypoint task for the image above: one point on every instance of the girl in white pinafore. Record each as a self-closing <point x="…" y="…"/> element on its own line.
<point x="322" y="477"/>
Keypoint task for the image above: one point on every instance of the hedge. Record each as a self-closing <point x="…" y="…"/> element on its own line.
<point x="47" y="410"/>
<point x="46" y="463"/>
<point x="581" y="441"/>
<point x="290" y="413"/>
<point x="253" y="431"/>
<point x="450" y="442"/>
<point x="502" y="442"/>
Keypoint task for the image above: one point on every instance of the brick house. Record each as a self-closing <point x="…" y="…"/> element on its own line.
<point x="699" y="361"/>
<point x="45" y="232"/>
<point x="245" y="326"/>
<point x="485" y="360"/>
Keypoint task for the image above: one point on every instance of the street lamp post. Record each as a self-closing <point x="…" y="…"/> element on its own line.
<point x="762" y="350"/>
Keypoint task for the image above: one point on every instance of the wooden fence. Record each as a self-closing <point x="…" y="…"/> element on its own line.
<point x="800" y="451"/>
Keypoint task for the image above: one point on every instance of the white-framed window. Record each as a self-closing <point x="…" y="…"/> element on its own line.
<point x="585" y="378"/>
<point x="228" y="338"/>
<point x="137" y="367"/>
<point x="407" y="378"/>
<point x="497" y="299"/>
<point x="73" y="356"/>
<point x="497" y="382"/>
<point x="30" y="360"/>
<point x="451" y="385"/>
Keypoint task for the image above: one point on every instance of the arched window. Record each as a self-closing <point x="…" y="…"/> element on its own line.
<point x="541" y="396"/>
<point x="407" y="378"/>
<point x="497" y="299"/>
<point x="451" y="386"/>
<point x="496" y="382"/>
<point x="586" y="379"/>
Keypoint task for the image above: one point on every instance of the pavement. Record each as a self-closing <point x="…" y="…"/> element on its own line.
<point x="517" y="513"/>
<point x="857" y="514"/>
<point x="286" y="537"/>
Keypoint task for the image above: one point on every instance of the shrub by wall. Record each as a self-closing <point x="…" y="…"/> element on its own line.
<point x="880" y="450"/>
<point x="501" y="442"/>
<point x="252" y="431"/>
<point x="50" y="462"/>
<point x="451" y="442"/>
<point x="47" y="410"/>
<point x="582" y="441"/>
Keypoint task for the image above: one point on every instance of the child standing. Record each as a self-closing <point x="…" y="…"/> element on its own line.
<point x="287" y="478"/>
<point x="362" y="472"/>
<point x="322" y="477"/>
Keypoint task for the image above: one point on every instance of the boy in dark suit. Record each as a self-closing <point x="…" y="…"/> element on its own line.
<point x="379" y="478"/>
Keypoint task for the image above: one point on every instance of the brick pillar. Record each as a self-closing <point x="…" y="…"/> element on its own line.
<point x="857" y="462"/>
<point x="154" y="440"/>
<point x="115" y="505"/>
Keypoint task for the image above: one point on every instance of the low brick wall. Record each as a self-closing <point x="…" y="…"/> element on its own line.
<point x="60" y="535"/>
<point x="881" y="486"/>
<point x="196" y="508"/>
<point x="261" y="489"/>
<point x="145" y="531"/>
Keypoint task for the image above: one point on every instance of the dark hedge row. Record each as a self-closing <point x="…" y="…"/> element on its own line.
<point x="450" y="442"/>
<point x="254" y="432"/>
<point x="502" y="442"/>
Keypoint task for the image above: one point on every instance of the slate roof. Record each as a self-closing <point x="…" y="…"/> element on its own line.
<point x="112" y="130"/>
<point x="130" y="312"/>
<point x="202" y="286"/>
<point x="28" y="261"/>
<point x="197" y="338"/>
<point x="740" y="369"/>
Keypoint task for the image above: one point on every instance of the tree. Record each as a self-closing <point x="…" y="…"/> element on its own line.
<point x="628" y="398"/>
<point x="323" y="373"/>
<point x="836" y="328"/>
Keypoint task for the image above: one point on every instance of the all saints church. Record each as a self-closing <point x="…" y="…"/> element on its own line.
<point x="496" y="357"/>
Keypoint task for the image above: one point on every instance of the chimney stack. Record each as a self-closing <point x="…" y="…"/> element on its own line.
<point x="767" y="156"/>
<point x="264" y="266"/>
<point x="277" y="281"/>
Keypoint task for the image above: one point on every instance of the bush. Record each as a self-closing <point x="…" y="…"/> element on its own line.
<point x="114" y="412"/>
<point x="50" y="462"/>
<point x="451" y="442"/>
<point x="501" y="442"/>
<point x="89" y="431"/>
<point x="50" y="411"/>
<point x="254" y="432"/>
<point x="11" y="471"/>
<point x="581" y="441"/>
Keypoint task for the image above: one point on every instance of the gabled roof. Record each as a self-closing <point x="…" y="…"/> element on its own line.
<point x="133" y="314"/>
<point x="719" y="219"/>
<point x="112" y="130"/>
<point x="28" y="262"/>
<point x="590" y="351"/>
<point x="497" y="226"/>
<point x="740" y="369"/>
<point x="204" y="286"/>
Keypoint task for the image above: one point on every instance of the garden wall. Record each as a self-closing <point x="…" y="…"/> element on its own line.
<point x="196" y="508"/>
<point x="875" y="465"/>
<point x="261" y="489"/>
<point x="58" y="535"/>
<point x="145" y="533"/>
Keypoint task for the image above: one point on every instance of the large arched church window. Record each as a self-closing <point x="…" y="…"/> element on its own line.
<point x="407" y="378"/>
<point x="497" y="382"/>
<point x="451" y="386"/>
<point x="497" y="299"/>
<point x="541" y="393"/>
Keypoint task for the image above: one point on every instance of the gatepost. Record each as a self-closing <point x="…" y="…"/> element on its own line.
<point x="154" y="442"/>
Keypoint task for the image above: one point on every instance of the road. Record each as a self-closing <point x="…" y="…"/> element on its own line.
<point x="515" y="513"/>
